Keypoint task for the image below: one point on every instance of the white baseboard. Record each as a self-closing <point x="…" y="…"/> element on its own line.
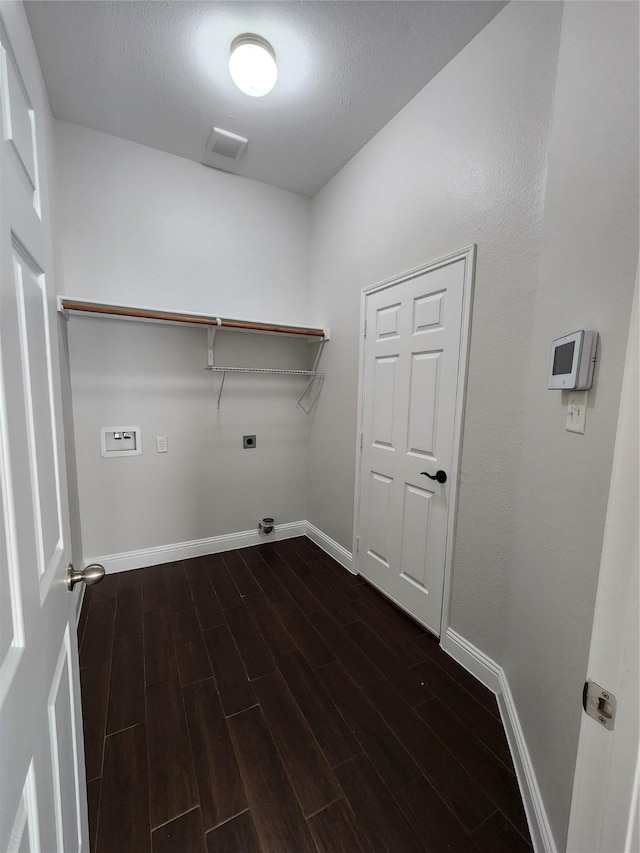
<point x="196" y="548"/>
<point x="155" y="556"/>
<point x="541" y="835"/>
<point x="492" y="676"/>
<point x="472" y="659"/>
<point x="330" y="546"/>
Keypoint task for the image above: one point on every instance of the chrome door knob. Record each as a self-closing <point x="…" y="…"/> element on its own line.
<point x="92" y="574"/>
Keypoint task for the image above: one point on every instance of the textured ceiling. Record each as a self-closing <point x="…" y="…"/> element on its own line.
<point x="156" y="73"/>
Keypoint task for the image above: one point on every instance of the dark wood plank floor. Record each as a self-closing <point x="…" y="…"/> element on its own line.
<point x="267" y="700"/>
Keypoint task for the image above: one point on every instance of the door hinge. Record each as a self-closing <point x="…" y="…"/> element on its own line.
<point x="361" y="440"/>
<point x="599" y="704"/>
<point x="357" y="544"/>
<point x="365" y="329"/>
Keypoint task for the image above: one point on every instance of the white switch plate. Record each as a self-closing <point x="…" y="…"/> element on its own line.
<point x="577" y="411"/>
<point x="161" y="444"/>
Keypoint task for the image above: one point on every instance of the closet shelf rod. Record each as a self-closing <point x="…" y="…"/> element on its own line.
<point x="196" y="319"/>
<point x="262" y="370"/>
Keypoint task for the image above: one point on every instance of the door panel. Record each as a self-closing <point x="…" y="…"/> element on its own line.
<point x="11" y="622"/>
<point x="415" y="524"/>
<point x="383" y="408"/>
<point x="25" y="836"/>
<point x="379" y="517"/>
<point x="428" y="312"/>
<point x="42" y="780"/>
<point x="37" y="373"/>
<point x="423" y="393"/>
<point x="410" y="394"/>
<point x="387" y="322"/>
<point x="64" y="757"/>
<point x="18" y="117"/>
<point x="39" y="411"/>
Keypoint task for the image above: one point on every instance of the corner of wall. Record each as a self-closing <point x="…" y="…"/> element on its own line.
<point x="330" y="546"/>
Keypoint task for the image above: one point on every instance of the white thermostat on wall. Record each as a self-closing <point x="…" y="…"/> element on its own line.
<point x="572" y="361"/>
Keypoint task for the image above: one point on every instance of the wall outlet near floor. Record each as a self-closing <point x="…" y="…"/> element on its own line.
<point x="576" y="411"/>
<point x="162" y="445"/>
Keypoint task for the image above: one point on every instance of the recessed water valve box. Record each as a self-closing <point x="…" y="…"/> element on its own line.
<point x="120" y="441"/>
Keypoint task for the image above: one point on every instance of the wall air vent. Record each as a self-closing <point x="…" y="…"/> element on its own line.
<point x="226" y="144"/>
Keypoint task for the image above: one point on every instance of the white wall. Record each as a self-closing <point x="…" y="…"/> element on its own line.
<point x="466" y="161"/>
<point x="152" y="376"/>
<point x="461" y="163"/>
<point x="589" y="257"/>
<point x="144" y="227"/>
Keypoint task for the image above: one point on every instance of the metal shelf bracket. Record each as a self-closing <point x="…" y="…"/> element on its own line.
<point x="211" y="339"/>
<point x="312" y="374"/>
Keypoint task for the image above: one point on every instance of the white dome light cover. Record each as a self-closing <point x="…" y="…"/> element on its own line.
<point x="252" y="65"/>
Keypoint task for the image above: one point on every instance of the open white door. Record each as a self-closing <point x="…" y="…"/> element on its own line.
<point x="604" y="812"/>
<point x="412" y="388"/>
<point x="42" y="781"/>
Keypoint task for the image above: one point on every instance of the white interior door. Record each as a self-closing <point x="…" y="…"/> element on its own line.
<point x="42" y="783"/>
<point x="412" y="385"/>
<point x="605" y="811"/>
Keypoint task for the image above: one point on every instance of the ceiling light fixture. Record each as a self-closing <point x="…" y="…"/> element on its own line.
<point x="252" y="65"/>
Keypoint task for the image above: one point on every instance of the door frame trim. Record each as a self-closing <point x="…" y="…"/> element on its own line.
<point x="468" y="255"/>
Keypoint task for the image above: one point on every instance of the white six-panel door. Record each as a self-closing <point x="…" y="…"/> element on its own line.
<point x="411" y="392"/>
<point x="42" y="783"/>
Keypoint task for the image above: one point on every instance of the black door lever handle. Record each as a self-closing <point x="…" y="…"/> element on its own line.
<point x="440" y="476"/>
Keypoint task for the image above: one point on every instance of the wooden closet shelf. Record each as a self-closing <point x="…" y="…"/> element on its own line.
<point x="68" y="305"/>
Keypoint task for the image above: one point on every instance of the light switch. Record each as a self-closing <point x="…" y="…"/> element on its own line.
<point x="161" y="444"/>
<point x="577" y="411"/>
